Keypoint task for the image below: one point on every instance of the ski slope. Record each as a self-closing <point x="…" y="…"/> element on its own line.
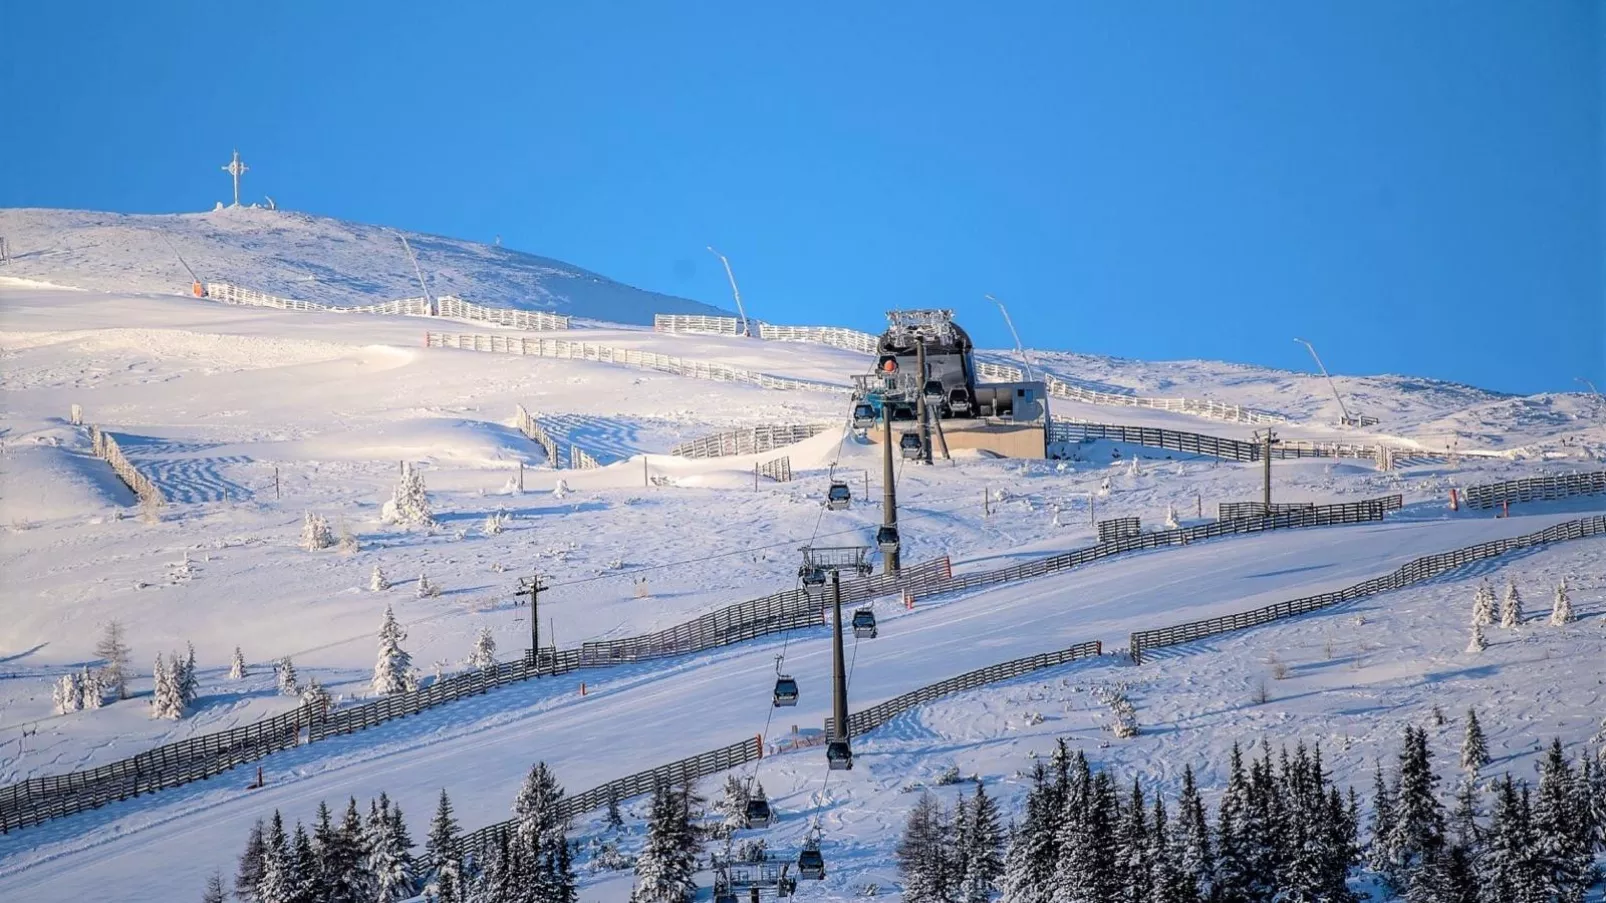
<point x="248" y="418"/>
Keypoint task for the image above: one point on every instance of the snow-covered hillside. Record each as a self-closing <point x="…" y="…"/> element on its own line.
<point x="248" y="419"/>
<point x="308" y="258"/>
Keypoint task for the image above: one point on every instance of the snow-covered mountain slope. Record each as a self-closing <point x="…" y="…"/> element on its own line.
<point x="309" y="258"/>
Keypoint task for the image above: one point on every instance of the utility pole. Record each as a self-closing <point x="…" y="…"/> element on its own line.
<point x="920" y="401"/>
<point x="889" y="488"/>
<point x="746" y="330"/>
<point x="839" y="674"/>
<point x="534" y="586"/>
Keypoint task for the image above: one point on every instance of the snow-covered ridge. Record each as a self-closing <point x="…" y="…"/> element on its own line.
<point x="313" y="258"/>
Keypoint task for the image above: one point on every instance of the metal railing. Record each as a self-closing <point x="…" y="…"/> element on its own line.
<point x="748" y="440"/>
<point x="1535" y="489"/>
<point x="630" y="357"/>
<point x="1416" y="571"/>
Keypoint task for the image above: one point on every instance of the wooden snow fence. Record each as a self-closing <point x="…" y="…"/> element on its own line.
<point x="1417" y="571"/>
<point x="1535" y="489"/>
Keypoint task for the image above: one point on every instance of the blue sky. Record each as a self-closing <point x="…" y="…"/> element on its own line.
<point x="1416" y="187"/>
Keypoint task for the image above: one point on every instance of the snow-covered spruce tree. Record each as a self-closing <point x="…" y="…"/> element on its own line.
<point x="1507" y="868"/>
<point x="1171" y="522"/>
<point x="1195" y="863"/>
<point x="484" y="653"/>
<point x="1416" y="836"/>
<point x="614" y="819"/>
<point x="286" y="673"/>
<point x="315" y="697"/>
<point x="250" y="872"/>
<point x="1133" y="868"/>
<point x="409" y="502"/>
<point x="91" y="693"/>
<point x="377" y="581"/>
<point x="425" y="589"/>
<point x="1234" y="871"/>
<point x="114" y="651"/>
<point x="315" y="532"/>
<point x="237" y="670"/>
<point x="539" y="826"/>
<point x="1474" y="749"/>
<point x="67" y="694"/>
<point x="304" y="866"/>
<point x="981" y="861"/>
<point x="350" y="876"/>
<point x="667" y="862"/>
<point x="443" y="857"/>
<point x="924" y="854"/>
<point x="393" y="671"/>
<point x="165" y="701"/>
<point x="1511" y="607"/>
<point x="277" y="884"/>
<point x="1563" y="841"/>
<point x="1086" y="869"/>
<point x="1561" y="609"/>
<point x="1029" y="863"/>
<point x="732" y="807"/>
<point x="389" y="861"/>
<point x="189" y="688"/>
<point x="493" y="524"/>
<point x="1477" y="643"/>
<point x="1483" y="605"/>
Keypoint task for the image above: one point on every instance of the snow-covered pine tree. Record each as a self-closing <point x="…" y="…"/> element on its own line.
<point x="484" y="653"/>
<point x="425" y="589"/>
<point x="1511" y="607"/>
<point x="325" y="853"/>
<point x="315" y="697"/>
<point x="277" y="884"/>
<point x="1476" y="643"/>
<point x="1234" y="870"/>
<point x="1029" y="863"/>
<point x="377" y="582"/>
<point x="67" y="694"/>
<point x="924" y="854"/>
<point x="287" y="678"/>
<point x="443" y="857"/>
<point x="1378" y="855"/>
<point x="184" y="677"/>
<point x="92" y="694"/>
<point x="1195" y="862"/>
<point x="1134" y="869"/>
<point x="351" y="878"/>
<point x="214" y="892"/>
<point x="250" y="873"/>
<point x="114" y="651"/>
<point x="1474" y="749"/>
<point x="164" y="695"/>
<point x="389" y="862"/>
<point x="1561" y="608"/>
<point x="493" y="524"/>
<point x="1171" y="522"/>
<point x="732" y="807"/>
<point x="1417" y="834"/>
<point x="1169" y="884"/>
<point x="1507" y="868"/>
<point x="315" y="532"/>
<point x="304" y="867"/>
<point x="982" y="854"/>
<point x="539" y="824"/>
<point x="409" y="502"/>
<point x="614" y="819"/>
<point x="1483" y="605"/>
<point x="393" y="671"/>
<point x="1562" y="839"/>
<point x="237" y="670"/>
<point x="665" y="867"/>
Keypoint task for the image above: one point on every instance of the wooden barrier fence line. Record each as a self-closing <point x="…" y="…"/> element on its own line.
<point x="567" y="349"/>
<point x="1534" y="489"/>
<point x="748" y="440"/>
<point x="1410" y="573"/>
<point x="481" y="841"/>
<point x="782" y="611"/>
<point x="106" y="449"/>
<point x="1214" y="446"/>
<point x="446" y="307"/>
<point x="533" y="431"/>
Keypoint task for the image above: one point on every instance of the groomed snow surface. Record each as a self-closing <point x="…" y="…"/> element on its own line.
<point x="249" y="418"/>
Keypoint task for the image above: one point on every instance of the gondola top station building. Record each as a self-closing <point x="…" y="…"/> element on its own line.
<point x="1007" y="418"/>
